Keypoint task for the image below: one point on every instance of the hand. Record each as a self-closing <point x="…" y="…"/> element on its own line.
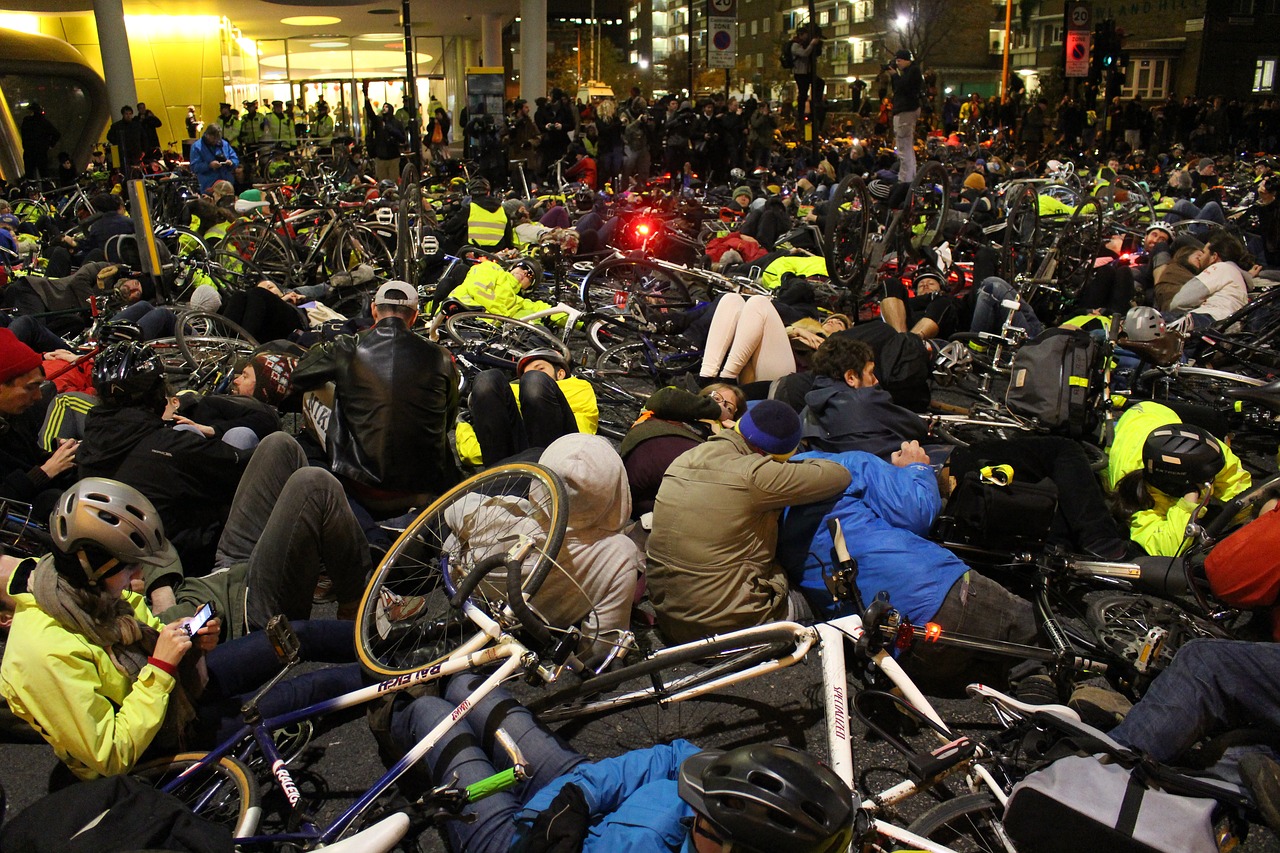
<point x="294" y="298"/>
<point x="910" y="454"/>
<point x="1192" y="497"/>
<point x="206" y="431"/>
<point x="61" y="355"/>
<point x="173" y="642"/>
<point x="808" y="338"/>
<point x="63" y="459"/>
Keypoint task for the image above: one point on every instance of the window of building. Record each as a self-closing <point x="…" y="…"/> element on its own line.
<point x="1147" y="79"/>
<point x="996" y="40"/>
<point x="764" y="25"/>
<point x="634" y="57"/>
<point x="633" y="13"/>
<point x="1240" y="7"/>
<point x="755" y="27"/>
<point x="842" y="12"/>
<point x="1264" y="74"/>
<point x="1052" y="34"/>
<point x="824" y="18"/>
<point x="759" y="60"/>
<point x="863" y="10"/>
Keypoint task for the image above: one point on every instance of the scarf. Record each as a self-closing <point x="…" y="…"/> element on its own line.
<point x="109" y="622"/>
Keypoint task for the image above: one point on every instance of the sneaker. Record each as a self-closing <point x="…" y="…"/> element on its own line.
<point x="324" y="590"/>
<point x="1098" y="707"/>
<point x="393" y="609"/>
<point x="1261" y="775"/>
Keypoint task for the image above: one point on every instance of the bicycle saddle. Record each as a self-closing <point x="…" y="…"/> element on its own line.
<point x="990" y="694"/>
<point x="1162" y="351"/>
<point x="1268" y="395"/>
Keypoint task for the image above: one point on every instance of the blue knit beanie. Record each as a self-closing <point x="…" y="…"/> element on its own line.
<point x="772" y="426"/>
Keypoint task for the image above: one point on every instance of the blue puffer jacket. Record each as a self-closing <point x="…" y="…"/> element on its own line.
<point x="885" y="514"/>
<point x="632" y="798"/>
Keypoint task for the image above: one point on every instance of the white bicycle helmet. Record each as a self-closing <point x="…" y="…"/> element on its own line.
<point x="1143" y="323"/>
<point x="113" y="517"/>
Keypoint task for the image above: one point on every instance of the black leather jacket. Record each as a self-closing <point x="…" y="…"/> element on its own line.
<point x="396" y="401"/>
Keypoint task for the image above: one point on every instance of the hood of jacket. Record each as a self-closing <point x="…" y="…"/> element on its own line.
<point x="595" y="480"/>
<point x="110" y="435"/>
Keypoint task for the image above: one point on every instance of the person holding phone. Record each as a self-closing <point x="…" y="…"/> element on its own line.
<point x="213" y="159"/>
<point x="104" y="681"/>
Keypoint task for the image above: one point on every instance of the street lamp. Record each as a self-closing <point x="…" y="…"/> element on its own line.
<point x="902" y="21"/>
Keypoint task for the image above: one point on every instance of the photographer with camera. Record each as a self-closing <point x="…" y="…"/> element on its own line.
<point x="213" y="159"/>
<point x="908" y="86"/>
<point x="806" y="47"/>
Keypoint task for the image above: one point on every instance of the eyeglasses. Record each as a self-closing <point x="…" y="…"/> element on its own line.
<point x="729" y="407"/>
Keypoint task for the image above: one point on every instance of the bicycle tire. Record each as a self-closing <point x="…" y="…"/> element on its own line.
<point x="928" y="200"/>
<point x="635" y="289"/>
<point x="1121" y="621"/>
<point x="642" y="683"/>
<point x="1077" y="246"/>
<point x="643" y="367"/>
<point x="204" y="338"/>
<point x="968" y="824"/>
<point x="500" y="341"/>
<point x="225" y="792"/>
<point x="259" y="245"/>
<point x="844" y="236"/>
<point x="414" y="565"/>
<point x="1021" y="232"/>
<point x="353" y="245"/>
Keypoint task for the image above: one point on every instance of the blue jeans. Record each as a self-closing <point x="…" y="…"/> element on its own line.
<point x="1212" y="686"/>
<point x="989" y="315"/>
<point x="471" y="751"/>
<point x="1211" y="212"/>
<point x="239" y="667"/>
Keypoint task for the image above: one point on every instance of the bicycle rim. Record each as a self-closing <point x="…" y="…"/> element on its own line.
<point x="968" y="824"/>
<point x="224" y="792"/>
<point x="405" y="620"/>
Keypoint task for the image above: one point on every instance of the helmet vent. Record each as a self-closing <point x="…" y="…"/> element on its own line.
<point x="765" y="780"/>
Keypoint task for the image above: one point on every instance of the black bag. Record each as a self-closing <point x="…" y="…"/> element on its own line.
<point x="1102" y="796"/>
<point x="1055" y="379"/>
<point x="117" y="813"/>
<point x="1009" y="517"/>
<point x="788" y="58"/>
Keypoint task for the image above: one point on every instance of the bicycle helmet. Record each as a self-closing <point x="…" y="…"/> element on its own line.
<point x="1180" y="457"/>
<point x="555" y="357"/>
<point x="112" y="517"/>
<point x="1161" y="226"/>
<point x="478" y="186"/>
<point x="767" y="798"/>
<point x="926" y="274"/>
<point x="533" y="267"/>
<point x="1143" y="323"/>
<point x="127" y="372"/>
<point x="585" y="199"/>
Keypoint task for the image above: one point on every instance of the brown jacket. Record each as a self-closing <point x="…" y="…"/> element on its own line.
<point x="715" y="529"/>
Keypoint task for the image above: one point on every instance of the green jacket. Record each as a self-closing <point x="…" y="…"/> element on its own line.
<point x="97" y="720"/>
<point x="1161" y="530"/>
<point x="711" y="564"/>
<point x="491" y="288"/>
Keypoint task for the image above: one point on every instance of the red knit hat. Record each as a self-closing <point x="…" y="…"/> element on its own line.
<point x="272" y="372"/>
<point x="16" y="358"/>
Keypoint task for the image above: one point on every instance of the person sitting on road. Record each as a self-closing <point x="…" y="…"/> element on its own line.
<point x="667" y="798"/>
<point x="105" y="682"/>
<point x="481" y="222"/>
<point x="510" y="418"/>
<point x="27" y="473"/>
<point x="1157" y="469"/>
<point x="711" y="564"/>
<point x="1219" y="289"/>
<point x="886" y="512"/>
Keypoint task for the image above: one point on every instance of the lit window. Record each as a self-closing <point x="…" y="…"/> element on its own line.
<point x="1264" y="74"/>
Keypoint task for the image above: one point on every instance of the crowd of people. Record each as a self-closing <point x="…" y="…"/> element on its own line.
<point x="714" y="511"/>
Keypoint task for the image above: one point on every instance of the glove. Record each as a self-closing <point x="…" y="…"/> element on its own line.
<point x="562" y="828"/>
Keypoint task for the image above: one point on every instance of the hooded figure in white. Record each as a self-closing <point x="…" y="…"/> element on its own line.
<point x="601" y="564"/>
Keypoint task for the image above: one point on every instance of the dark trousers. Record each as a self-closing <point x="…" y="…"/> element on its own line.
<point x="505" y="428"/>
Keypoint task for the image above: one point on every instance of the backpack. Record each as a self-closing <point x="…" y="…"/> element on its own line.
<point x="1055" y="380"/>
<point x="787" y="57"/>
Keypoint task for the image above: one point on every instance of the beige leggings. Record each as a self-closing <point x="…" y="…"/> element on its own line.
<point x="747" y="341"/>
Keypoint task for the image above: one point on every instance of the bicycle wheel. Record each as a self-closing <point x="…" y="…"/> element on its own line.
<point x="644" y="366"/>
<point x="499" y="341"/>
<point x="1134" y="211"/>
<point x="258" y="244"/>
<point x="1122" y="620"/>
<point x="661" y="676"/>
<point x="224" y="792"/>
<point x="618" y="407"/>
<point x="639" y="291"/>
<point x="968" y="824"/>
<point x="353" y="245"/>
<point x="845" y="235"/>
<point x="1021" y="232"/>
<point x="1077" y="245"/>
<point x="208" y="338"/>
<point x="405" y="620"/>
<point x="928" y="200"/>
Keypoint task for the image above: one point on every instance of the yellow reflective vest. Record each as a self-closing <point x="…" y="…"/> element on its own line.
<point x="485" y="228"/>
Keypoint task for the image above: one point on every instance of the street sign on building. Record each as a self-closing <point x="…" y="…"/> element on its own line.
<point x="1078" y="21"/>
<point x="722" y="33"/>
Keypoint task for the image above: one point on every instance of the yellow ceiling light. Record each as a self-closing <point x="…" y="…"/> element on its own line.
<point x="380" y="36"/>
<point x="328" y="44"/>
<point x="311" y="20"/>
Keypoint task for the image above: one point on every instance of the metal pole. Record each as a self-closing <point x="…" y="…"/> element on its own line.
<point x="1008" y="30"/>
<point x="411" y="89"/>
<point x="813" y="83"/>
<point x="689" y="52"/>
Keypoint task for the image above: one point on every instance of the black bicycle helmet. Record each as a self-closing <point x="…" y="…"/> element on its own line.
<point x="768" y="798"/>
<point x="928" y="274"/>
<point x="127" y="372"/>
<point x="478" y="187"/>
<point x="1179" y="457"/>
<point x="112" y="518"/>
<point x="555" y="357"/>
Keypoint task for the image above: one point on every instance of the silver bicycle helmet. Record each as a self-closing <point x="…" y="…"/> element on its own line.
<point x="767" y="798"/>
<point x="551" y="356"/>
<point x="113" y="517"/>
<point x="1143" y="323"/>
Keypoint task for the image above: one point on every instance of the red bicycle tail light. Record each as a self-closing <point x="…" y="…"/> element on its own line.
<point x="932" y="631"/>
<point x="643" y="229"/>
